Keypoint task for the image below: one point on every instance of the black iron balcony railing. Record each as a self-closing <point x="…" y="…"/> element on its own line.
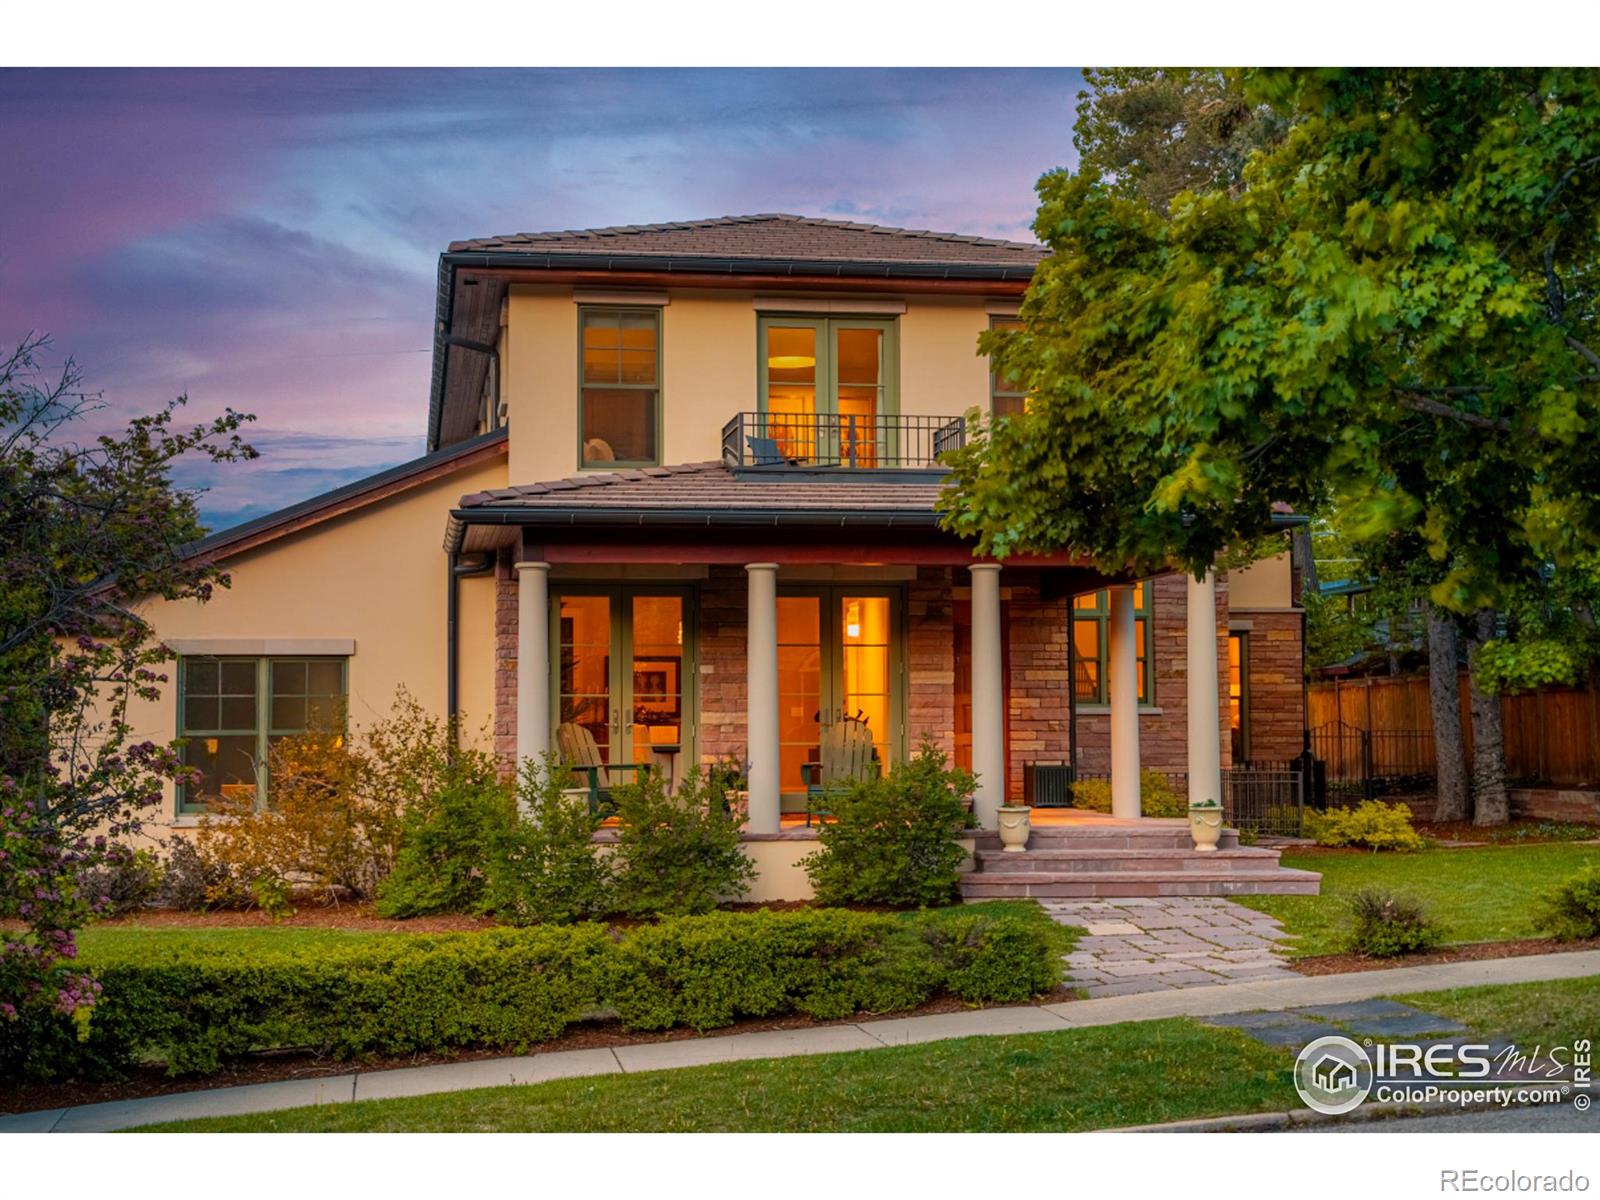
<point x="778" y="440"/>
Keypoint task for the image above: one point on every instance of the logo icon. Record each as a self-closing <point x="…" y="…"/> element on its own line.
<point x="1333" y="1075"/>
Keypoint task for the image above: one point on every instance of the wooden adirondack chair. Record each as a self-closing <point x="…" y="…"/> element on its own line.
<point x="581" y="754"/>
<point x="848" y="755"/>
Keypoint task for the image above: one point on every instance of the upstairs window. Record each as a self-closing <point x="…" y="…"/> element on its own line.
<point x="619" y="393"/>
<point x="1090" y="645"/>
<point x="1006" y="399"/>
<point x="232" y="710"/>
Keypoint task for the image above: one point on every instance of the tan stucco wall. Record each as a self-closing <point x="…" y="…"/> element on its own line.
<point x="709" y="370"/>
<point x="375" y="575"/>
<point x="1264" y="584"/>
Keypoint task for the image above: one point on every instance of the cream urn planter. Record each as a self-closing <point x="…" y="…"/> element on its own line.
<point x="1205" y="824"/>
<point x="1014" y="828"/>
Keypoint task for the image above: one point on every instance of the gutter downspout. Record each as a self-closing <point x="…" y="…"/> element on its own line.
<point x="455" y="573"/>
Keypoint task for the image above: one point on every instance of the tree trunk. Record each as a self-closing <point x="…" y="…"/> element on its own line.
<point x="1490" y="804"/>
<point x="1449" y="747"/>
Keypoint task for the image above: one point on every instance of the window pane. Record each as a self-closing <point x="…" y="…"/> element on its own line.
<point x="618" y="425"/>
<point x="238" y="713"/>
<point x="200" y="713"/>
<point x="860" y="356"/>
<point x="227" y="766"/>
<point x="238" y="677"/>
<point x="1087" y="667"/>
<point x="288" y="678"/>
<point x="288" y="714"/>
<point x="200" y="676"/>
<point x="325" y="678"/>
<point x="1009" y="406"/>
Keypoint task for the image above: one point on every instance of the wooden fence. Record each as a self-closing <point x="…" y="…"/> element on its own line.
<point x="1552" y="736"/>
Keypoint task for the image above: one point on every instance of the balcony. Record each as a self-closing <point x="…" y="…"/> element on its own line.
<point x="778" y="442"/>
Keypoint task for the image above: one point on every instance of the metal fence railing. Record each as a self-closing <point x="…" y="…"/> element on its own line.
<point x="1265" y="798"/>
<point x="1358" y="763"/>
<point x="880" y="440"/>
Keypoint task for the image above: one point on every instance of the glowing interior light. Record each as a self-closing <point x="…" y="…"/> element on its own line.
<point x="790" y="362"/>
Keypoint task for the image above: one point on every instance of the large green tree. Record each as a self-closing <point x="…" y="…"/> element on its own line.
<point x="1394" y="310"/>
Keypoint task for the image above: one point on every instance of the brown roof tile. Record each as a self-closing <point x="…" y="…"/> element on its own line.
<point x="711" y="486"/>
<point x="769" y="235"/>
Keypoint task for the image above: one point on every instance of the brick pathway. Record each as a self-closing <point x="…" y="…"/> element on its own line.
<point x="1140" y="944"/>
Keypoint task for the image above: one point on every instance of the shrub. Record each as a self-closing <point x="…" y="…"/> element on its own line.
<point x="1157" y="796"/>
<point x="1371" y="823"/>
<point x="679" y="853"/>
<point x="123" y="881"/>
<point x="191" y="881"/>
<point x="451" y="835"/>
<point x="1387" y="925"/>
<point x="194" y="1007"/>
<point x="893" y="840"/>
<point x="340" y="806"/>
<point x="545" y="868"/>
<point x="1571" y="911"/>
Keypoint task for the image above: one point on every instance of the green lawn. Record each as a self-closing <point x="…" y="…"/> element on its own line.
<point x="1481" y="894"/>
<point x="1080" y="1079"/>
<point x="1556" y="1012"/>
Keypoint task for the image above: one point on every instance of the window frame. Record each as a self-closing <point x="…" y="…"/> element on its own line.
<point x="658" y="415"/>
<point x="264" y="731"/>
<point x="996" y="392"/>
<point x="1099" y="616"/>
<point x="827" y="376"/>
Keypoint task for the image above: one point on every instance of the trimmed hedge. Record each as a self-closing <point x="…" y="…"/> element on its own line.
<point x="195" y="1008"/>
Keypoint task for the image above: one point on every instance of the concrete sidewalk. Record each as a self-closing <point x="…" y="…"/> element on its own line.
<point x="1245" y="996"/>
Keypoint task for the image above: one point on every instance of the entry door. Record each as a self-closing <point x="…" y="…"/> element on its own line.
<point x="838" y="660"/>
<point x="826" y="385"/>
<point x="624" y="673"/>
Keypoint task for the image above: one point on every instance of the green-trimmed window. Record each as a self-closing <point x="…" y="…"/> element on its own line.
<point x="619" y="387"/>
<point x="231" y="710"/>
<point x="1090" y="615"/>
<point x="1006" y="398"/>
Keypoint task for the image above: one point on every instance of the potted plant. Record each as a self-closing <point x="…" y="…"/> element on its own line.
<point x="1014" y="827"/>
<point x="1205" y="823"/>
<point x="731" y="776"/>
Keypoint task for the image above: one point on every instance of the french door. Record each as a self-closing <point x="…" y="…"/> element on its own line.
<point x="827" y="383"/>
<point x="839" y="659"/>
<point x="623" y="673"/>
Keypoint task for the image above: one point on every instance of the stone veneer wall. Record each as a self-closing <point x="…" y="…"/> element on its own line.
<point x="1164" y="726"/>
<point x="1277" y="697"/>
<point x="1036" y="718"/>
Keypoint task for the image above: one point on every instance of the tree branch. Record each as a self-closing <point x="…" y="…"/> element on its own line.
<point x="1434" y="408"/>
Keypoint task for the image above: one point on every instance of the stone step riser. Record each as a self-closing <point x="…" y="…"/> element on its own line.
<point x="1043" y="839"/>
<point x="997" y="861"/>
<point x="1091" y="888"/>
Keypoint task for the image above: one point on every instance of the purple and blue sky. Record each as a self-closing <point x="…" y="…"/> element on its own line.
<point x="268" y="240"/>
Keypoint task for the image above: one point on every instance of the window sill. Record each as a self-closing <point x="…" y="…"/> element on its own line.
<point x="1094" y="710"/>
<point x="187" y="820"/>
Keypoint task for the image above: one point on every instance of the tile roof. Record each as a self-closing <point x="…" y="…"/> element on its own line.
<point x="769" y="236"/>
<point x="712" y="487"/>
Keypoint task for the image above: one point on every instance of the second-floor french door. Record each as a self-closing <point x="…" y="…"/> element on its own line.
<point x="623" y="674"/>
<point x="826" y="385"/>
<point x="839" y="660"/>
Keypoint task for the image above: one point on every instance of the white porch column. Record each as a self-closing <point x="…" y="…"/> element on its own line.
<point x="1123" y="683"/>
<point x="533" y="660"/>
<point x="988" y="696"/>
<point x="761" y="697"/>
<point x="1205" y="714"/>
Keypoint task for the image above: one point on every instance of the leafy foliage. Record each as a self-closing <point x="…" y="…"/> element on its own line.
<point x="893" y="839"/>
<point x="1372" y="823"/>
<point x="1386" y="924"/>
<point x="544" y="868"/>
<point x="87" y="529"/>
<point x="1394" y="311"/>
<point x="677" y="853"/>
<point x="125" y="880"/>
<point x="195" y="1007"/>
<point x="1571" y="911"/>
<point x="1157" y="796"/>
<point x="450" y="842"/>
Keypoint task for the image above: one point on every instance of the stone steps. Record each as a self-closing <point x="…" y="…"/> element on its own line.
<point x="1151" y="858"/>
<point x="994" y="885"/>
<point x="1072" y="859"/>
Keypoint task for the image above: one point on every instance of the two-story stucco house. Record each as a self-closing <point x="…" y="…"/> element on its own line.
<point x="678" y="505"/>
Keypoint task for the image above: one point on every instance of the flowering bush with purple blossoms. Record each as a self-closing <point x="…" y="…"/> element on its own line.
<point x="87" y="531"/>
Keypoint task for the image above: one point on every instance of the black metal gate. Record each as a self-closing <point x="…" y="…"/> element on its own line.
<point x="1359" y="764"/>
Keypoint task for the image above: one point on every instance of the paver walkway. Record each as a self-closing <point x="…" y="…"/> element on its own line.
<point x="1146" y="944"/>
<point x="1247" y="995"/>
